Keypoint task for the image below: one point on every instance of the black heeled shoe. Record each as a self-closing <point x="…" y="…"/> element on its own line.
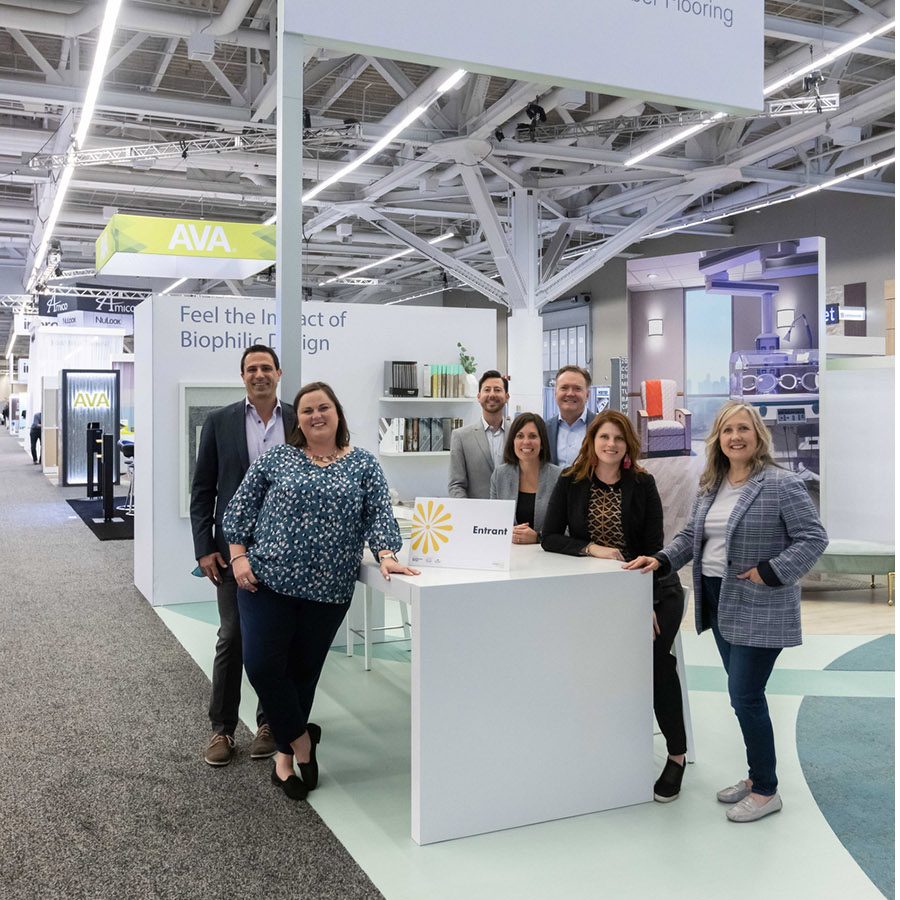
<point x="309" y="771"/>
<point x="292" y="785"/>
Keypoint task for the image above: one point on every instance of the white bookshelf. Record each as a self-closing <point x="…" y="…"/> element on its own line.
<point x="445" y="400"/>
<point x="416" y="453"/>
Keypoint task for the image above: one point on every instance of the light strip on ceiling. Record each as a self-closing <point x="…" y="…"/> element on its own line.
<point x="828" y="58"/>
<point x="794" y="195"/>
<point x="776" y="85"/>
<point x="382" y="142"/>
<point x="174" y="285"/>
<point x="104" y="41"/>
<point x="670" y="141"/>
<point x="386" y="259"/>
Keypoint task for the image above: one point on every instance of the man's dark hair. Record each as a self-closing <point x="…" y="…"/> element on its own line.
<point x="580" y="370"/>
<point x="493" y="373"/>
<point x="260" y="348"/>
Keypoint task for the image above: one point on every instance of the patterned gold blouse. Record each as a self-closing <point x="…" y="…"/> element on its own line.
<point x="605" y="515"/>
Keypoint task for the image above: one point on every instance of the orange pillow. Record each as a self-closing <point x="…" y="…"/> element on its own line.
<point x="653" y="390"/>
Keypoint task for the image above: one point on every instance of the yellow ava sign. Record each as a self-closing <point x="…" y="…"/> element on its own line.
<point x="184" y="248"/>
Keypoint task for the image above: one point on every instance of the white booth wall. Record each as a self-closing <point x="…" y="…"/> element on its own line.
<point x="199" y="341"/>
<point x="54" y="349"/>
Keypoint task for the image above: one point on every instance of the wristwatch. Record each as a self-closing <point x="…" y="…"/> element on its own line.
<point x="390" y="555"/>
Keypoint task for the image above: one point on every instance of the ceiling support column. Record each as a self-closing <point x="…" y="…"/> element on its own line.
<point x="288" y="258"/>
<point x="524" y="341"/>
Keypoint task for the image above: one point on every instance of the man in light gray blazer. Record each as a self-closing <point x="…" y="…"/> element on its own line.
<point x="476" y="450"/>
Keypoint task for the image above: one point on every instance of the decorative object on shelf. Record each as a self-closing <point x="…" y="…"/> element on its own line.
<point x="401" y="378"/>
<point x="415" y="434"/>
<point x="468" y="364"/>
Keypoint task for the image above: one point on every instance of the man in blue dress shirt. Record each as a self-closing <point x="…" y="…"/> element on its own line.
<point x="566" y="431"/>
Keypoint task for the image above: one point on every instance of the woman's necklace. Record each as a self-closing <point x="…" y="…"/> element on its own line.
<point x="325" y="459"/>
<point x="735" y="482"/>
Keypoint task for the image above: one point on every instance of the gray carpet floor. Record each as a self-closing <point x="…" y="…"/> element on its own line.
<point x="103" y="791"/>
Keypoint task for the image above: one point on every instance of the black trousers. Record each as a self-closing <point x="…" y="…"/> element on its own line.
<point x="35" y="435"/>
<point x="228" y="665"/>
<point x="667" y="704"/>
<point x="286" y="641"/>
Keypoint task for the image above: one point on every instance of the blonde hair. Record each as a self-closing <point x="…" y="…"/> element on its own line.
<point x="717" y="462"/>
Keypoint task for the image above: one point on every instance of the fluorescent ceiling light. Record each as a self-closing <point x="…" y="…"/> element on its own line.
<point x="382" y="142"/>
<point x="673" y="139"/>
<point x="387" y="259"/>
<point x="173" y="285"/>
<point x="774" y="201"/>
<point x="104" y="40"/>
<point x="829" y="57"/>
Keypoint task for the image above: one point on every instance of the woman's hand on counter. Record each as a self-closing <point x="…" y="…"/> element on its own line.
<point x="643" y="564"/>
<point x="524" y="534"/>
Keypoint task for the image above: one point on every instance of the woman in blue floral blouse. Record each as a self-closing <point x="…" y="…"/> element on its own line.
<point x="296" y="528"/>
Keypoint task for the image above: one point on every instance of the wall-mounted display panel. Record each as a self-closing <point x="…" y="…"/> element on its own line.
<point x="196" y="402"/>
<point x="86" y="396"/>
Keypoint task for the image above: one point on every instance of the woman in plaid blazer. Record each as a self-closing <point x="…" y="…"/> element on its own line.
<point x="753" y="534"/>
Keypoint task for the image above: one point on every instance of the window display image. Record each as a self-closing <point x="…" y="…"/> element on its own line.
<point x="197" y="401"/>
<point x="741" y="324"/>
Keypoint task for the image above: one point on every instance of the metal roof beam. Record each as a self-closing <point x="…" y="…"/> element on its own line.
<point x="36" y="56"/>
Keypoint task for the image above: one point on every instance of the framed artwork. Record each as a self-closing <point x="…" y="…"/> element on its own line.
<point x="195" y="403"/>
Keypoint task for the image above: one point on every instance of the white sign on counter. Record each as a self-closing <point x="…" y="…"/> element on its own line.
<point x="461" y="534"/>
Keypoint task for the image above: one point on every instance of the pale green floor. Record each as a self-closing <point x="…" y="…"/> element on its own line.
<point x="685" y="849"/>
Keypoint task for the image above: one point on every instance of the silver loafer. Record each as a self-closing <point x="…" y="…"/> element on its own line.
<point x="733" y="794"/>
<point x="748" y="811"/>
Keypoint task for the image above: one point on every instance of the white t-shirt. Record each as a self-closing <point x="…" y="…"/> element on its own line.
<point x="714" y="562"/>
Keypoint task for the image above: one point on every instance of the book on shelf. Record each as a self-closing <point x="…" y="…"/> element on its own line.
<point x="401" y="378"/>
<point x="426" y="434"/>
<point x="390" y="435"/>
<point x="444" y="380"/>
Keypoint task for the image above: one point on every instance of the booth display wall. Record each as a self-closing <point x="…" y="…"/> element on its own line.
<point x="859" y="411"/>
<point x="195" y="341"/>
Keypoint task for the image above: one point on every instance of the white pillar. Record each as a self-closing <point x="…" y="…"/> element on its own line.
<point x="289" y="280"/>
<point x="524" y="340"/>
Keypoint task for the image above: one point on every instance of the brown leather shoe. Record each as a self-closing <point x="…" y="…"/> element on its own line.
<point x="263" y="745"/>
<point x="220" y="750"/>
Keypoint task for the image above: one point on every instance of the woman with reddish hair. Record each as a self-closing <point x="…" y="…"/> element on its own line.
<point x="606" y="506"/>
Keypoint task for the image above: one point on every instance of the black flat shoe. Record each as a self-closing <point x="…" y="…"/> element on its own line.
<point x="668" y="785"/>
<point x="292" y="786"/>
<point x="309" y="771"/>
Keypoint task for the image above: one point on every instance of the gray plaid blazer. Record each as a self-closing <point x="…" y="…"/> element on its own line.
<point x="774" y="523"/>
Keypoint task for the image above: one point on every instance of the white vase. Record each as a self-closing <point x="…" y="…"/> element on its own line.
<point x="471" y="385"/>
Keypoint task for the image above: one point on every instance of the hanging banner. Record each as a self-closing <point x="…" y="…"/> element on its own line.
<point x="658" y="49"/>
<point x="156" y="247"/>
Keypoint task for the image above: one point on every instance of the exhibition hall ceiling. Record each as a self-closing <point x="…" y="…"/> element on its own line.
<point x="184" y="72"/>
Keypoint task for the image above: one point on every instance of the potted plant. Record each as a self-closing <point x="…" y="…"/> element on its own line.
<point x="467" y="362"/>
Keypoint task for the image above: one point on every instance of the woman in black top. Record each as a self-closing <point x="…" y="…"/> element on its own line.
<point x="607" y="506"/>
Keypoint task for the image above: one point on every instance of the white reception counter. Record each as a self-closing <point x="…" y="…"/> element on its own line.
<point x="531" y="691"/>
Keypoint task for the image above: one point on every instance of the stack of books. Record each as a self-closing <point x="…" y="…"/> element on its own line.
<point x="444" y="380"/>
<point x="416" y="435"/>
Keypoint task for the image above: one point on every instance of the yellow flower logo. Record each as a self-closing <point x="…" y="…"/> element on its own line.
<point x="430" y="527"/>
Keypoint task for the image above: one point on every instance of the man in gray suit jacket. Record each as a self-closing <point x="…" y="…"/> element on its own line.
<point x="476" y="450"/>
<point x="565" y="432"/>
<point x="232" y="438"/>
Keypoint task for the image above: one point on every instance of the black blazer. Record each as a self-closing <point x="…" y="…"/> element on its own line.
<point x="566" y="522"/>
<point x="222" y="462"/>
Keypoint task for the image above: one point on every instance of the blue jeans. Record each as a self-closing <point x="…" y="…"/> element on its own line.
<point x="748" y="670"/>
<point x="286" y="640"/>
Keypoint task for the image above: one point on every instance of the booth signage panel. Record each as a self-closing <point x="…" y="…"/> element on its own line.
<point x="87" y="396"/>
<point x="80" y="318"/>
<point x="648" y="48"/>
<point x="53" y="304"/>
<point x="22" y="363"/>
<point x="462" y="534"/>
<point x="162" y="247"/>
